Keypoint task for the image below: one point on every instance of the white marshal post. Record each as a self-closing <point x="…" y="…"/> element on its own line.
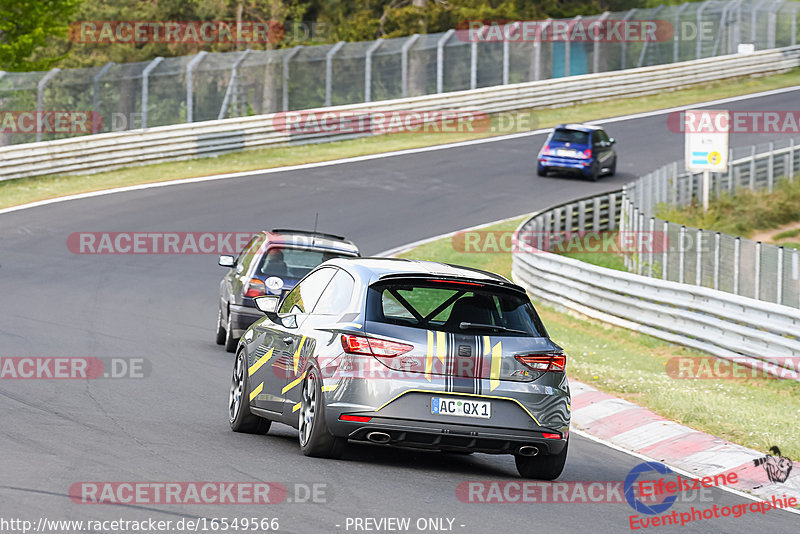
<point x="706" y="147"/>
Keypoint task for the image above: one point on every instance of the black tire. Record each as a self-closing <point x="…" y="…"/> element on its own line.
<point x="230" y="342"/>
<point x="595" y="172"/>
<point x="315" y="438"/>
<point x="220" y="329"/>
<point x="543" y="173"/>
<point x="542" y="467"/>
<point x="613" y="170"/>
<point x="239" y="415"/>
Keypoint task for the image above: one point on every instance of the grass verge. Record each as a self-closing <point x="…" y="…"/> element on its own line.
<point x="756" y="413"/>
<point x="24" y="190"/>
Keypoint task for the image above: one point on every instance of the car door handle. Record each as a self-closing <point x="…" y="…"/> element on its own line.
<point x="288" y="340"/>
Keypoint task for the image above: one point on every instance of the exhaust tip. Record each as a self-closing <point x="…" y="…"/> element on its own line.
<point x="379" y="437"/>
<point x="528" y="450"/>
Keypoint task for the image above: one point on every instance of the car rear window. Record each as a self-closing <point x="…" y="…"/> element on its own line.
<point x="464" y="308"/>
<point x="571" y="136"/>
<point x="288" y="262"/>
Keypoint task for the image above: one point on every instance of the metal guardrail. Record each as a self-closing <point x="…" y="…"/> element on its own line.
<point x="728" y="326"/>
<point x="711" y="259"/>
<point x="185" y="141"/>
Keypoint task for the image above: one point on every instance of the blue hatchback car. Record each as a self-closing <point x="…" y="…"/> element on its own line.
<point x="578" y="149"/>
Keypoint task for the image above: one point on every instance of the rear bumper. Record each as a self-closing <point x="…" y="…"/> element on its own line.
<point x="551" y="163"/>
<point x="242" y="317"/>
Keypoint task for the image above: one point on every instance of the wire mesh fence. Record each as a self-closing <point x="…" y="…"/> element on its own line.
<point x="711" y="259"/>
<point x="211" y="86"/>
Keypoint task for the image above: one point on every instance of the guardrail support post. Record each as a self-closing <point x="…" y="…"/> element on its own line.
<point x="757" y="280"/>
<point x="665" y="250"/>
<point x="404" y="63"/>
<point x="612" y="211"/>
<point x="737" y="246"/>
<point x="96" y="92"/>
<point x="791" y="160"/>
<point x="581" y="215"/>
<point x="730" y="170"/>
<point x="716" y="260"/>
<point x="779" y="289"/>
<point x="596" y="214"/>
<point x="699" y="262"/>
<point x="40" y="100"/>
<point x="146" y="87"/>
<point x="440" y="59"/>
<point x="557" y="220"/>
<point x="190" y="84"/>
<point x="771" y="167"/>
<point x="287" y="59"/>
<point x="681" y="263"/>
<point x="368" y="70"/>
<point x="329" y="71"/>
<point x="753" y="168"/>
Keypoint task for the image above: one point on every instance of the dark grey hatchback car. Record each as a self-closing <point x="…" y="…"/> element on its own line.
<point x="270" y="264"/>
<point x="406" y="353"/>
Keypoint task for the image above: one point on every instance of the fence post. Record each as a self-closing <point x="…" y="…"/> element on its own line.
<point x="716" y="260"/>
<point x="568" y="217"/>
<point x="624" y="44"/>
<point x="646" y="41"/>
<point x="771" y="167"/>
<point x="557" y="220"/>
<point x="681" y="263"/>
<point x="96" y="93"/>
<point x="752" y="168"/>
<point x="794" y="27"/>
<point x="771" y="22"/>
<point x="640" y="226"/>
<point x="723" y="19"/>
<point x="567" y="49"/>
<point x="404" y="63"/>
<point x="514" y="25"/>
<point x="473" y="61"/>
<point x="665" y="251"/>
<point x="581" y="215"/>
<point x="753" y="20"/>
<point x="612" y="211"/>
<point x="40" y="100"/>
<point x="737" y="244"/>
<point x="230" y="92"/>
<point x="791" y="159"/>
<point x="779" y="296"/>
<point x="651" y="243"/>
<point x="757" y="281"/>
<point x="699" y="262"/>
<point x="596" y="45"/>
<point x="190" y="84"/>
<point x="730" y="170"/>
<point x="675" y="36"/>
<point x="329" y="71"/>
<point x="596" y="214"/>
<point x="537" y="50"/>
<point x="368" y="69"/>
<point x="440" y="59"/>
<point x="146" y="87"/>
<point x="699" y="42"/>
<point x="287" y="59"/>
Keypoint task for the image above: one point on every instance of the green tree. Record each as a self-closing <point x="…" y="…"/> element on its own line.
<point x="26" y="26"/>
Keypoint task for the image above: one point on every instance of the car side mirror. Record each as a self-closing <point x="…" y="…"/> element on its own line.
<point x="267" y="303"/>
<point x="227" y="261"/>
<point x="611" y="140"/>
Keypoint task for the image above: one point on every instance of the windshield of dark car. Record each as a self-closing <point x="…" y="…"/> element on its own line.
<point x="445" y="306"/>
<point x="571" y="136"/>
<point x="286" y="262"/>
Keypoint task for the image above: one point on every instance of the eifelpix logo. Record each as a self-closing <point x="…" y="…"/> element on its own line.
<point x="777" y="467"/>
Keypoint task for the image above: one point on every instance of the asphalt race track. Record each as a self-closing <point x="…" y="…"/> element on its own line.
<point x="172" y="426"/>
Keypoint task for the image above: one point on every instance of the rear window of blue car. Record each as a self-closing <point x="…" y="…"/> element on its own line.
<point x="463" y="308"/>
<point x="575" y="137"/>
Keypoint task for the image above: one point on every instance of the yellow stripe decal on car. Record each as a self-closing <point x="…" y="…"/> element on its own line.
<point x="255" y="392"/>
<point x="330" y="387"/>
<point x="494" y="374"/>
<point x="261" y="361"/>
<point x="449" y="394"/>
<point x="293" y="383"/>
<point x="441" y="346"/>
<point x="296" y="356"/>
<point x="429" y="356"/>
<point x="296" y="407"/>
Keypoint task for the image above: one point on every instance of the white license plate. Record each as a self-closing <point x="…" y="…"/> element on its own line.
<point x="461" y="407"/>
<point x="566" y="153"/>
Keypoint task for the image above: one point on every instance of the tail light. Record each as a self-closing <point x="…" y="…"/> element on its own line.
<point x="354" y="418"/>
<point x="550" y="435"/>
<point x="586" y="154"/>
<point x="546" y="151"/>
<point x="373" y="347"/>
<point x="255" y="288"/>
<point x="555" y="361"/>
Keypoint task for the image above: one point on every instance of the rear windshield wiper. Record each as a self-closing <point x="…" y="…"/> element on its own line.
<point x="467" y="326"/>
